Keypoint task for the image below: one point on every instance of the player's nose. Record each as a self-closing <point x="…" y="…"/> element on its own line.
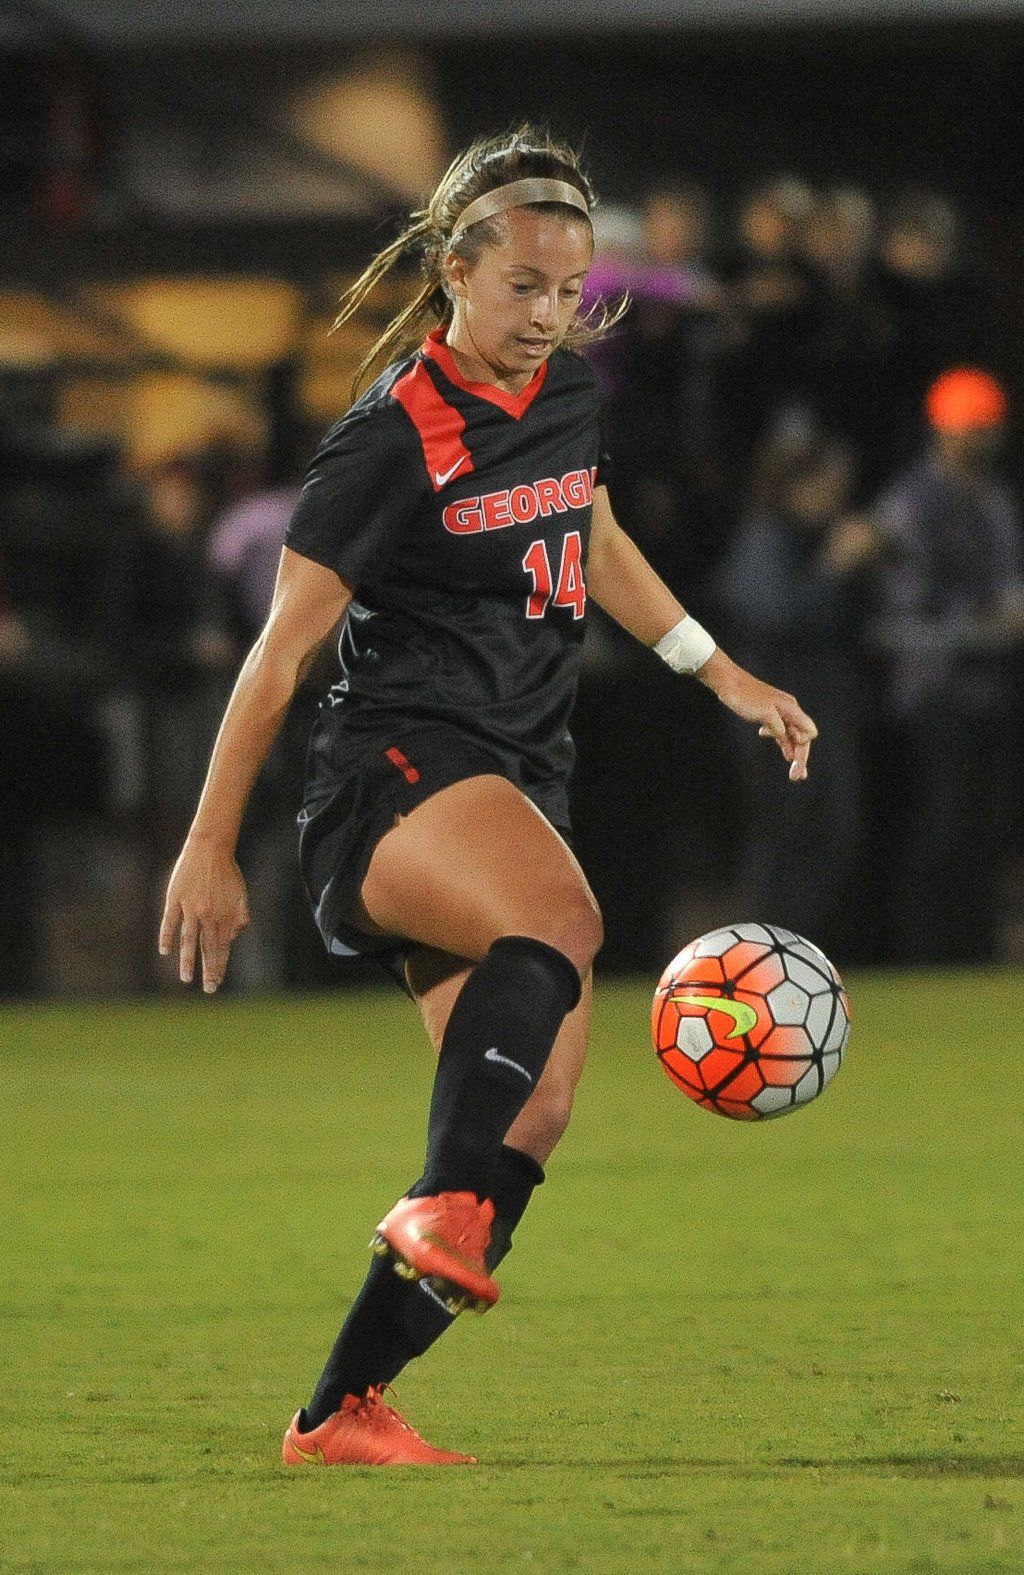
<point x="545" y="313"/>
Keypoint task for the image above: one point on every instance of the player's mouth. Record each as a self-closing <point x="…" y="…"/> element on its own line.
<point x="536" y="347"/>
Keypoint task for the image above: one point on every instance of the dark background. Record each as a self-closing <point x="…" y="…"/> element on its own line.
<point x="92" y="99"/>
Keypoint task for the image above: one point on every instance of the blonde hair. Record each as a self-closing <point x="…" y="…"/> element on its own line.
<point x="490" y="162"/>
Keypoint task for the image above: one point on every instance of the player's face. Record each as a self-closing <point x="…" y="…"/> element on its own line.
<point x="516" y="302"/>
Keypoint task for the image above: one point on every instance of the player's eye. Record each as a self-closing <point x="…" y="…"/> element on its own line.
<point x="521" y="289"/>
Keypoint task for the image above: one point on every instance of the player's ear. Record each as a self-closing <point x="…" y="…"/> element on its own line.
<point x="456" y="274"/>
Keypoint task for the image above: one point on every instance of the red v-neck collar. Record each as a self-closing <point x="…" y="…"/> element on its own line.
<point x="515" y="405"/>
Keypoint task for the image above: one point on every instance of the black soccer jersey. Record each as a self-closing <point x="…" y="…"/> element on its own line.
<point x="460" y="515"/>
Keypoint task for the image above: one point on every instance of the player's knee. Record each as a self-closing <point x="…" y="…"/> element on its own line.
<point x="591" y="933"/>
<point x="574" y="926"/>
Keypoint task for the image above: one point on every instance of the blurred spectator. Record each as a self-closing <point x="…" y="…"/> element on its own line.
<point x="175" y="654"/>
<point x="792" y="588"/>
<point x="951" y="610"/>
<point x="677" y="221"/>
<point x="656" y="370"/>
<point x="60" y="506"/>
<point x="660" y="254"/>
<point x="769" y="317"/>
<point x="173" y="638"/>
<point x="940" y="312"/>
<point x="614" y="271"/>
<point x="847" y="326"/>
<point x="245" y="550"/>
<point x="838" y="234"/>
<point x="654" y="258"/>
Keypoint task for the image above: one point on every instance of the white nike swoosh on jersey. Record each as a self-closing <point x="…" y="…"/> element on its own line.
<point x="442" y="480"/>
<point x="492" y="1055"/>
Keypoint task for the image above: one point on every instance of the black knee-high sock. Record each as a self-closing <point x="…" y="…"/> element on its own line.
<point x="392" y="1320"/>
<point x="494" y="1048"/>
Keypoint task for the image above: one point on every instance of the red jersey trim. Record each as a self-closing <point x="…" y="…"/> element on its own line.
<point x="439" y="425"/>
<point x="515" y="405"/>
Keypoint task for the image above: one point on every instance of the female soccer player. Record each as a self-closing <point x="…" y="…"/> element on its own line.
<point x="449" y="519"/>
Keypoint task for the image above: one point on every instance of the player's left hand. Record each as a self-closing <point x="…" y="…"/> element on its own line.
<point x="778" y="714"/>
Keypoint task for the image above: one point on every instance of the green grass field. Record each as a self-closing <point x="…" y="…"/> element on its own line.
<point x="794" y="1347"/>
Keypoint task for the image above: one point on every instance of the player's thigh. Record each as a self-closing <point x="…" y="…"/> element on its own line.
<point x="435" y="979"/>
<point x="477" y="861"/>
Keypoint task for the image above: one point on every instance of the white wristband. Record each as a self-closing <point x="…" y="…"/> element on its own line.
<point x="686" y="647"/>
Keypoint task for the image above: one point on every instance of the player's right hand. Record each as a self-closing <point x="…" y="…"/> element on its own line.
<point x="206" y="904"/>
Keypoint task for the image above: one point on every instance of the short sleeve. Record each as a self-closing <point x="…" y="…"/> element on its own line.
<point x="364" y="485"/>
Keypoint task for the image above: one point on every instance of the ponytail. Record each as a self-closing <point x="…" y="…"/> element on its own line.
<point x="404" y="327"/>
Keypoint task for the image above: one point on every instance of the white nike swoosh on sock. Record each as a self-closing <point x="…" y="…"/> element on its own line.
<point x="493" y="1055"/>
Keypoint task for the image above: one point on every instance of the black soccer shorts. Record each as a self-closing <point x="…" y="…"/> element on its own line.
<point x="358" y="786"/>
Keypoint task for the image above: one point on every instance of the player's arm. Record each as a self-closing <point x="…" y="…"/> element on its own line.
<point x="206" y="898"/>
<point x="622" y="582"/>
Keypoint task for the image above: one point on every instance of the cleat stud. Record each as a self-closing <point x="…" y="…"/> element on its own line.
<point x="380" y="1247"/>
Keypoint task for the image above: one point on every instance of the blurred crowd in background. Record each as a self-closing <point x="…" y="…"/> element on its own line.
<point x="808" y="411"/>
<point x="810" y="429"/>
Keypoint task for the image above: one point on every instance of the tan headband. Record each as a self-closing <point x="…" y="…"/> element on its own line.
<point x="517" y="195"/>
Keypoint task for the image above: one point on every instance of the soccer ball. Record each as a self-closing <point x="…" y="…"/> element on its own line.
<point x="750" y="1021"/>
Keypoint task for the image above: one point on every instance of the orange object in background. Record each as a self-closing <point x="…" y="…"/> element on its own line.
<point x="964" y="399"/>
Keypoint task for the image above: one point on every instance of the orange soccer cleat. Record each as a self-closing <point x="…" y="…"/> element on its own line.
<point x="444" y="1237"/>
<point x="364" y="1432"/>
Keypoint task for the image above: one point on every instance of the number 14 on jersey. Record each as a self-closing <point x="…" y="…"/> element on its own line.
<point x="571" y="590"/>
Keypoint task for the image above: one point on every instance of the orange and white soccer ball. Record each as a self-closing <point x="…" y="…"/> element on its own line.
<point x="751" y="1021"/>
